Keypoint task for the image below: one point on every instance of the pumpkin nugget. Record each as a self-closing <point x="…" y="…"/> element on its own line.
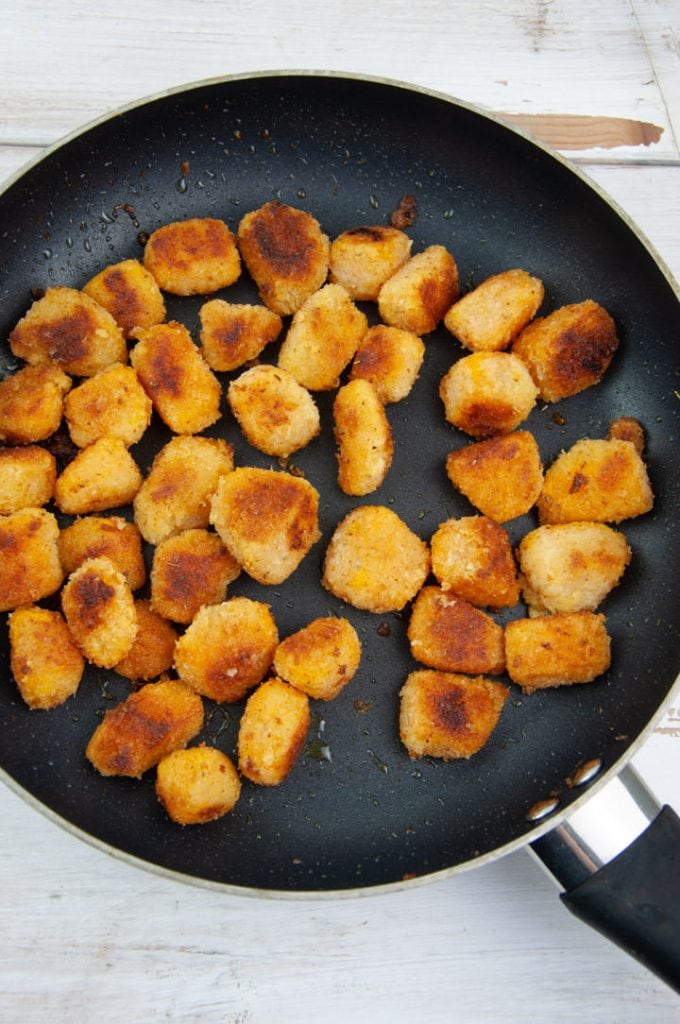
<point x="100" y="612"/>
<point x="364" y="438"/>
<point x="197" y="785"/>
<point x="472" y="557"/>
<point x="319" y="659"/>
<point x="447" y="633"/>
<point x="418" y="295"/>
<point x="44" y="659"/>
<point x="272" y="732"/>
<point x="487" y="393"/>
<point x="103" y="475"/>
<point x="112" y="536"/>
<point x="189" y="570"/>
<point x="362" y="259"/>
<point x="112" y="403"/>
<point x="193" y="257"/>
<point x="232" y="334"/>
<point x="557" y="650"/>
<point x="130" y="294"/>
<point x="277" y="415"/>
<point x="27" y="478"/>
<point x="390" y="359"/>
<point x="502" y="477"/>
<point x="32" y="403"/>
<point x="29" y="557"/>
<point x="153" y="650"/>
<point x="493" y="313"/>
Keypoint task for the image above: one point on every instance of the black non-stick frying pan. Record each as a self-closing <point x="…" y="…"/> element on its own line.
<point x="356" y="812"/>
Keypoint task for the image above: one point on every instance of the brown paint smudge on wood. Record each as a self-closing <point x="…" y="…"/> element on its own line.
<point x="583" y="131"/>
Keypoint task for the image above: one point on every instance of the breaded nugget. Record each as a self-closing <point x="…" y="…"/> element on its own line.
<point x="29" y="557"/>
<point x="32" y="403"/>
<point x="556" y="650"/>
<point x="71" y="330"/>
<point x="450" y="634"/>
<point x="27" y="477"/>
<point x="112" y="536"/>
<point x="627" y="428"/>
<point x="472" y="557"/>
<point x="277" y="415"/>
<point x="111" y="403"/>
<point x="569" y="350"/>
<point x="130" y="294"/>
<point x="502" y="477"/>
<point x="493" y="313"/>
<point x="390" y="359"/>
<point x="418" y="295"/>
<point x="272" y="732"/>
<point x="363" y="436"/>
<point x="197" y="785"/>
<point x="227" y="649"/>
<point x="100" y="611"/>
<point x="362" y="259"/>
<point x="595" y="481"/>
<point x="103" y="475"/>
<point x="321" y="658"/>
<point x="232" y="334"/>
<point x="322" y="338"/>
<point x="185" y="392"/>
<point x="286" y="254"/>
<point x="44" y="658"/>
<point x="193" y="257"/>
<point x="153" y="650"/>
<point x="189" y="570"/>
<point x="374" y="561"/>
<point x="268" y="520"/>
<point x="176" y="494"/>
<point x="487" y="393"/>
<point x="145" y="728"/>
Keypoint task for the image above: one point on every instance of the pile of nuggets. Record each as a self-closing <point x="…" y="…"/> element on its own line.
<point x="208" y="521"/>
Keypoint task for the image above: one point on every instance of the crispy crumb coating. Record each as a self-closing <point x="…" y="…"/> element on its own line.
<point x="153" y="650"/>
<point x="234" y="333"/>
<point x="29" y="557"/>
<point x="277" y="415"/>
<point x="111" y="403"/>
<point x="363" y="258"/>
<point x="32" y="403"/>
<point x="104" y="475"/>
<point x="502" y="477"/>
<point x="487" y="393"/>
<point x="27" y="478"/>
<point x="472" y="557"/>
<point x="272" y="732"/>
<point x="450" y="634"/>
<point x="492" y="314"/>
<point x="557" y="650"/>
<point x="44" y="658"/>
<point x="197" y="785"/>
<point x="364" y="438"/>
<point x="190" y="569"/>
<point x="130" y="294"/>
<point x="390" y="359"/>
<point x="418" y="295"/>
<point x="321" y="658"/>
<point x="112" y="536"/>
<point x="100" y="611"/>
<point x="193" y="257"/>
<point x="627" y="428"/>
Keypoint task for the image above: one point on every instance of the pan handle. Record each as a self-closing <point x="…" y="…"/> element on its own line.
<point x="617" y="859"/>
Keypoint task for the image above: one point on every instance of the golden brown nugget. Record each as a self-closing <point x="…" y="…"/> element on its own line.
<point x="153" y="650"/>
<point x="27" y="478"/>
<point x="100" y="611"/>
<point x="232" y="333"/>
<point x="363" y="436"/>
<point x="472" y="557"/>
<point x="189" y="570"/>
<point x="569" y="350"/>
<point x="322" y="339"/>
<point x="112" y="403"/>
<point x="390" y="359"/>
<point x="374" y="561"/>
<point x="627" y="428"/>
<point x="44" y="658"/>
<point x="111" y="536"/>
<point x="227" y="649"/>
<point x="268" y="520"/>
<point x="193" y="257"/>
<point x="418" y="295"/>
<point x="362" y="259"/>
<point x="185" y="392"/>
<point x="277" y="415"/>
<point x="286" y="254"/>
<point x="493" y="313"/>
<point x="448" y="715"/>
<point x="450" y="634"/>
<point x="502" y="477"/>
<point x="487" y="393"/>
<point x="197" y="785"/>
<point x="272" y="732"/>
<point x="153" y="722"/>
<point x="29" y="557"/>
<point x="596" y="481"/>
<point x="72" y="331"/>
<point x="32" y="403"/>
<point x="320" y="659"/>
<point x="104" y="475"/>
<point x="130" y="294"/>
<point x="557" y="650"/>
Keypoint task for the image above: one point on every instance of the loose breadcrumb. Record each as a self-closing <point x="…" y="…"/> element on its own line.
<point x="44" y="658"/>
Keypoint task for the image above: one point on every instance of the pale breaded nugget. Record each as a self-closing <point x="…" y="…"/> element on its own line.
<point x="502" y="477"/>
<point x="472" y="557"/>
<point x="130" y="294"/>
<point x="272" y="732"/>
<point x="184" y="390"/>
<point x="197" y="785"/>
<point x="227" y="649"/>
<point x="71" y="330"/>
<point x="627" y="428"/>
<point x="286" y="254"/>
<point x="153" y="650"/>
<point x="362" y="259"/>
<point x="111" y="403"/>
<point x="29" y="557"/>
<point x="232" y="334"/>
<point x="390" y="359"/>
<point x="100" y="611"/>
<point x="487" y="393"/>
<point x="447" y="715"/>
<point x="176" y="494"/>
<point x="493" y="313"/>
<point x="189" y="570"/>
<point x="145" y="728"/>
<point x="595" y="481"/>
<point x="569" y="350"/>
<point x="27" y="477"/>
<point x="44" y="658"/>
<point x="363" y="436"/>
<point x="32" y="403"/>
<point x="450" y="634"/>
<point x="321" y="658"/>
<point x="268" y="520"/>
<point x="418" y="295"/>
<point x="112" y="536"/>
<point x="374" y="561"/>
<point x="556" y="650"/>
<point x="103" y="475"/>
<point x="322" y="338"/>
<point x="277" y="415"/>
<point x="193" y="257"/>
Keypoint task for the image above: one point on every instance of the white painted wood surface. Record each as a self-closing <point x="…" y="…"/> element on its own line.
<point x="84" y="937"/>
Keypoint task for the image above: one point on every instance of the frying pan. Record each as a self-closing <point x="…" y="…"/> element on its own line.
<point x="356" y="813"/>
